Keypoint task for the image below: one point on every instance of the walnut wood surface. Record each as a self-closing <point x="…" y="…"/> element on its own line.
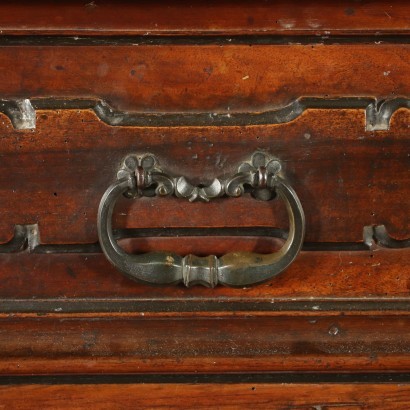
<point x="209" y="396"/>
<point x="72" y="157"/>
<point x="197" y="17"/>
<point x="314" y="276"/>
<point x="345" y="177"/>
<point x="246" y="343"/>
<point x="210" y="78"/>
<point x="74" y="314"/>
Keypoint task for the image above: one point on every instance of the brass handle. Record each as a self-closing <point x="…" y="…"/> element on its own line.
<point x="142" y="176"/>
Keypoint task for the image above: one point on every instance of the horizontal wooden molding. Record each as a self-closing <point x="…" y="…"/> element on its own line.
<point x="378" y="112"/>
<point x="137" y="305"/>
<point x="240" y="344"/>
<point x="202" y="40"/>
<point x="27" y="238"/>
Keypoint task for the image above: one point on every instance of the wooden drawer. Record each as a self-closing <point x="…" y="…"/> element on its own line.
<point x="88" y="89"/>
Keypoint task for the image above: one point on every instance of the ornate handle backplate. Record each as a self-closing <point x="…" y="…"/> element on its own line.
<point x="261" y="177"/>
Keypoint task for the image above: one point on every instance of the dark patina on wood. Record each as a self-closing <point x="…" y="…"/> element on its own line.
<point x="323" y="88"/>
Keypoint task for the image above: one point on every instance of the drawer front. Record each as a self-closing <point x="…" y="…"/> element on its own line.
<point x="203" y="110"/>
<point x="332" y="112"/>
<point x="345" y="154"/>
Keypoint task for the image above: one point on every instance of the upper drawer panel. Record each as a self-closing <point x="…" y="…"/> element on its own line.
<point x="210" y="78"/>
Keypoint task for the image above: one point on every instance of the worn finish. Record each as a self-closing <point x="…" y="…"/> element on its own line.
<point x="207" y="78"/>
<point x="346" y="396"/>
<point x="378" y="112"/>
<point x="195" y="344"/>
<point x="210" y="18"/>
<point x="356" y="276"/>
<point x="72" y="157"/>
<point x="321" y="87"/>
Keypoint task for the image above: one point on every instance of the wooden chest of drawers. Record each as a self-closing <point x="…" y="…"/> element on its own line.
<point x="137" y="139"/>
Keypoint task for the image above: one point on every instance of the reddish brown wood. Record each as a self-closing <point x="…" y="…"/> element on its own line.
<point x="217" y="344"/>
<point x="174" y="78"/>
<point x="212" y="17"/>
<point x="314" y="276"/>
<point x="71" y="158"/>
<point x="207" y="396"/>
<point x="330" y="312"/>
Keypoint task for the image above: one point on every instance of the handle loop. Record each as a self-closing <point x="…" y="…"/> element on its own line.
<point x="260" y="176"/>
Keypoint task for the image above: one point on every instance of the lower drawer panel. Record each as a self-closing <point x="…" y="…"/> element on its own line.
<point x="74" y="313"/>
<point x="186" y="343"/>
<point x="342" y="396"/>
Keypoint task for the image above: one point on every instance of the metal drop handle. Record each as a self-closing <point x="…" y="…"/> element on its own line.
<point x="142" y="176"/>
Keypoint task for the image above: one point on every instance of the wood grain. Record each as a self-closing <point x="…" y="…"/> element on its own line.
<point x="195" y="17"/>
<point x="313" y="277"/>
<point x="74" y="314"/>
<point x="209" y="78"/>
<point x="209" y="396"/>
<point x="199" y="344"/>
<point x="71" y="158"/>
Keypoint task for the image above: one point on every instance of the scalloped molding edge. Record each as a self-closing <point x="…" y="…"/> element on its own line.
<point x="378" y="112"/>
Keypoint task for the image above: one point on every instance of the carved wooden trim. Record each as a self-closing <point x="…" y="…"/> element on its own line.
<point x="378" y="112"/>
